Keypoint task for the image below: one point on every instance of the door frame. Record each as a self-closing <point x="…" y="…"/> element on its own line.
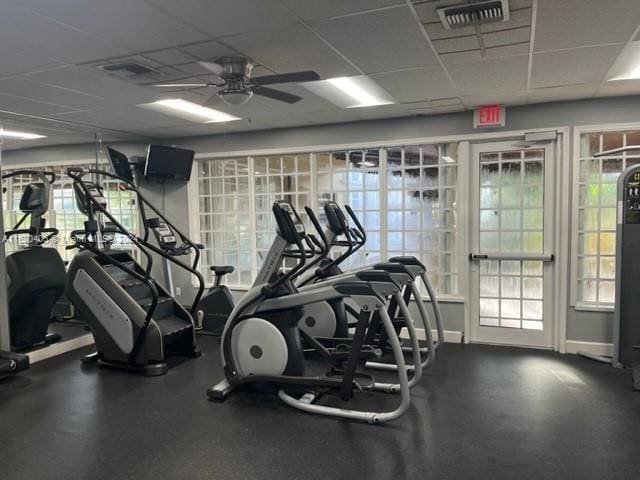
<point x="548" y="338"/>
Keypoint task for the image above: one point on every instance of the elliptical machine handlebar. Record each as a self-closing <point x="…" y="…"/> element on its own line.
<point x="359" y="230"/>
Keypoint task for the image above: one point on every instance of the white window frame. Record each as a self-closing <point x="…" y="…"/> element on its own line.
<point x="463" y="175"/>
<point x="578" y="131"/>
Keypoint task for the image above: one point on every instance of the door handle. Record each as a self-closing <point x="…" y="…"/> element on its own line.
<point x="541" y="257"/>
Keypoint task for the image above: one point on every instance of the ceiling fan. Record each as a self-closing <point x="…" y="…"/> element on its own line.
<point x="237" y="85"/>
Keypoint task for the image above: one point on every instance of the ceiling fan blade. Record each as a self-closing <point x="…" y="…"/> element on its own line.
<point x="276" y="94"/>
<point x="184" y="85"/>
<point x="213" y="67"/>
<point x="306" y="76"/>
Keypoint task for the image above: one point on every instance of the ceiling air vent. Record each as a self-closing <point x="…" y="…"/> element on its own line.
<point x="127" y="69"/>
<point x="476" y="13"/>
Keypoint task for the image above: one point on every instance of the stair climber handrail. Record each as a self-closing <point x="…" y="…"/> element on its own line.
<point x="76" y="173"/>
<point x="143" y="243"/>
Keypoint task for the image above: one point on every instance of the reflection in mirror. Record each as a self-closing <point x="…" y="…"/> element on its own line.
<point x="40" y="214"/>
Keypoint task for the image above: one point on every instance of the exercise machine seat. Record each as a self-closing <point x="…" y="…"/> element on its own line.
<point x="222" y="270"/>
<point x="36" y="281"/>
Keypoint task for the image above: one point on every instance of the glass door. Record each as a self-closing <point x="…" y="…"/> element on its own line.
<point x="511" y="206"/>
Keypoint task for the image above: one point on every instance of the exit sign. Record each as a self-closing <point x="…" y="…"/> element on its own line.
<point x="489" y="116"/>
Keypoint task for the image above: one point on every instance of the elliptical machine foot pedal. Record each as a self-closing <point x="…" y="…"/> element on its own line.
<point x="220" y="391"/>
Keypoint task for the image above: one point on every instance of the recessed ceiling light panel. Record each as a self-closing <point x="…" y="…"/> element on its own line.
<point x="627" y="65"/>
<point x="189" y="111"/>
<point x="19" y="135"/>
<point x="350" y="92"/>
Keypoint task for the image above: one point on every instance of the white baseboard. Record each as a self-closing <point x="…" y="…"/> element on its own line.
<point x="594" y="348"/>
<point x="59" y="348"/>
<point x="450" y="336"/>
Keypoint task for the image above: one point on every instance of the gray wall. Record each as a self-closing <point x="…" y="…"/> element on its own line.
<point x="586" y="326"/>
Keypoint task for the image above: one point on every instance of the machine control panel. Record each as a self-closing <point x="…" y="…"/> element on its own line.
<point x="335" y="217"/>
<point x="290" y="225"/>
<point x="632" y="198"/>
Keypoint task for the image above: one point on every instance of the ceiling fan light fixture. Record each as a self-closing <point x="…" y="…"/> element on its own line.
<point x="235" y="97"/>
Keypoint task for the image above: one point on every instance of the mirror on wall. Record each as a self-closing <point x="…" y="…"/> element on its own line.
<point x="40" y="219"/>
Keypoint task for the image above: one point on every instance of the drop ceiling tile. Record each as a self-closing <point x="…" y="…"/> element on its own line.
<point x="397" y="42"/>
<point x="519" y="4"/>
<point x="507" y="37"/>
<point x="619" y="88"/>
<point x="133" y="24"/>
<point x="446" y="102"/>
<point x="490" y="76"/>
<point x="567" y="92"/>
<point x="16" y="61"/>
<point x="508" y="50"/>
<point x="230" y="17"/>
<point x="458" y="44"/>
<point x="291" y="49"/>
<point x="416" y="85"/>
<point x="209" y="51"/>
<point x="422" y="111"/>
<point x="450" y="109"/>
<point x="582" y="65"/>
<point x="30" y="107"/>
<point x="504" y="98"/>
<point x="46" y="37"/>
<point x="194" y="69"/>
<point x="171" y="56"/>
<point x="573" y="23"/>
<point x="25" y="88"/>
<point x="461" y="57"/>
<point x="91" y="81"/>
<point x="437" y="32"/>
<point x="314" y="9"/>
<point x="109" y="119"/>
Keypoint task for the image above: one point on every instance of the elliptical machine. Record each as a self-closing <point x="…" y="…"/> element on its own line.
<point x="332" y="319"/>
<point x="261" y="341"/>
<point x="36" y="274"/>
<point x="135" y="321"/>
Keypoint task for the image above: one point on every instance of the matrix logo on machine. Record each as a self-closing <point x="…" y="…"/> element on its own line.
<point x="110" y="315"/>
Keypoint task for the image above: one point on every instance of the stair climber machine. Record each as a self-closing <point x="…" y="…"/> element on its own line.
<point x="262" y="346"/>
<point x="35" y="274"/>
<point x="135" y="321"/>
<point x="329" y="268"/>
<point x="626" y="323"/>
<point x="216" y="304"/>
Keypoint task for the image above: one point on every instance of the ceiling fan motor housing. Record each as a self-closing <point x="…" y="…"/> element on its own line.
<point x="235" y="67"/>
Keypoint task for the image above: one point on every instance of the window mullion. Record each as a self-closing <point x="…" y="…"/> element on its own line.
<point x="383" y="195"/>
